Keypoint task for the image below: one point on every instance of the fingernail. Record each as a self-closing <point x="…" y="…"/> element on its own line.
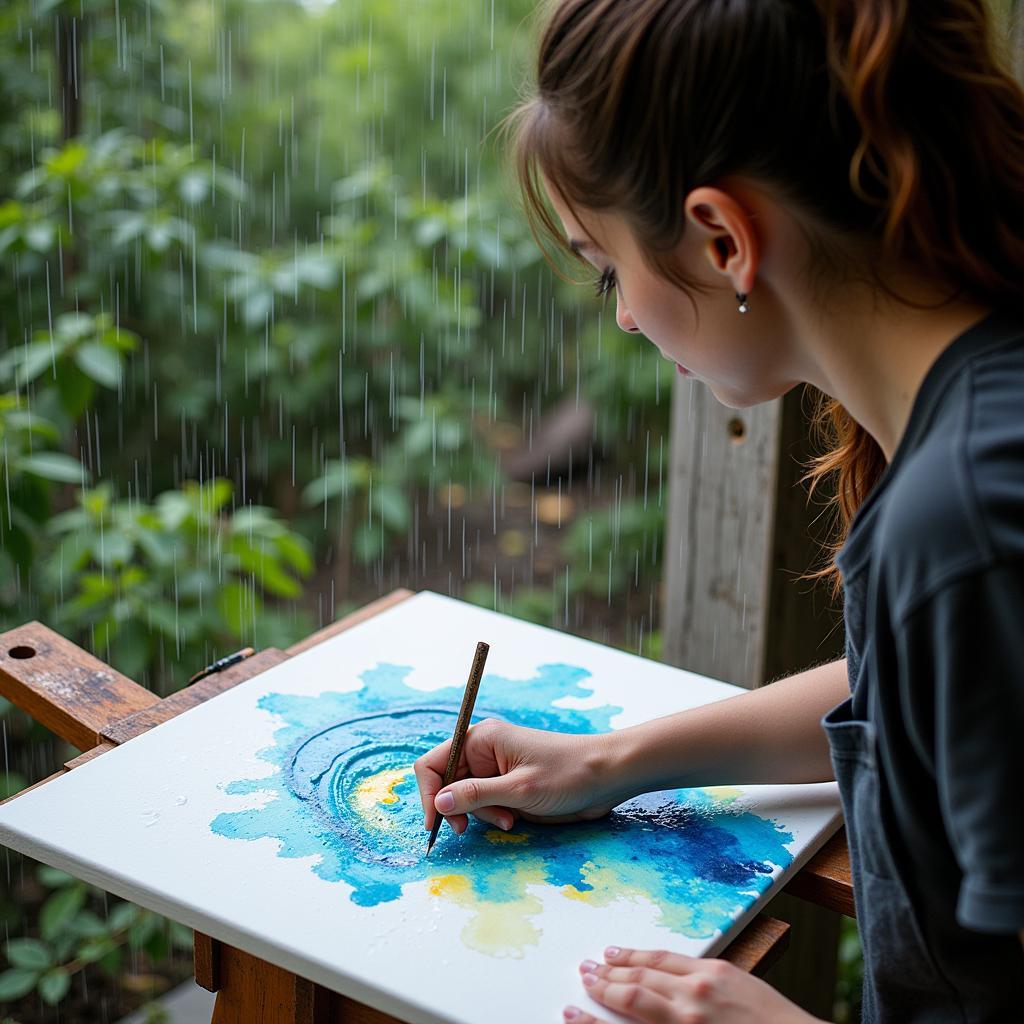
<point x="589" y="980"/>
<point x="571" y="1012"/>
<point x="445" y="802"/>
<point x="588" y="966"/>
<point x="505" y="823"/>
<point x="612" y="951"/>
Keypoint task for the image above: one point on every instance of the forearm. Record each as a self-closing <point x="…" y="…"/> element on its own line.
<point x="769" y="735"/>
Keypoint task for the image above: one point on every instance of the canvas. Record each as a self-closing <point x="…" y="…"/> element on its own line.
<point x="283" y="817"/>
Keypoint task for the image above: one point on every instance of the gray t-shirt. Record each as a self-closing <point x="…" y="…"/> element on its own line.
<point x="929" y="749"/>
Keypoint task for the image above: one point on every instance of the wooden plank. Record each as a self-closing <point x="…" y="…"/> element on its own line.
<point x="72" y="693"/>
<point x="352" y="619"/>
<point x="826" y="881"/>
<point x="191" y="696"/>
<point x="88" y="755"/>
<point x="722" y="473"/>
<point x="759" y="946"/>
<point x="206" y="961"/>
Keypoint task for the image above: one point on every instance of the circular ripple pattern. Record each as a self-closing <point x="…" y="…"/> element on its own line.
<point x="356" y="777"/>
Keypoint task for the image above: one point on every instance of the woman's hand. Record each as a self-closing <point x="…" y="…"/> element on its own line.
<point x="507" y="772"/>
<point x="668" y="988"/>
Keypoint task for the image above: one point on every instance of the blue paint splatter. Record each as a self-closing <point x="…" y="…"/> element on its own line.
<point x="344" y="792"/>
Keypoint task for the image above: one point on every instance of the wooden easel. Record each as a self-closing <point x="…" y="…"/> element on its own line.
<point x="95" y="708"/>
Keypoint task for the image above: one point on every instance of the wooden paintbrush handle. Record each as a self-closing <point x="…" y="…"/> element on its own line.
<point x="466" y="711"/>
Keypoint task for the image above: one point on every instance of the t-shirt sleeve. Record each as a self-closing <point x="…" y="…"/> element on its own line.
<point x="964" y="649"/>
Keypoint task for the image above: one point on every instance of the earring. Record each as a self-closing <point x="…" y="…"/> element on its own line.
<point x="743" y="307"/>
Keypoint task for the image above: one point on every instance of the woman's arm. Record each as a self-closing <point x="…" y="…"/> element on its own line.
<point x="770" y="735"/>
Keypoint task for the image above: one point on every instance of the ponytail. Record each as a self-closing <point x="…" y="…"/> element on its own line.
<point x="941" y="160"/>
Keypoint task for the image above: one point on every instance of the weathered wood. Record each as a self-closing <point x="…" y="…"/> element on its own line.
<point x="825" y="881"/>
<point x="192" y="696"/>
<point x="88" y="755"/>
<point x="758" y="947"/>
<point x="722" y="474"/>
<point x="72" y="693"/>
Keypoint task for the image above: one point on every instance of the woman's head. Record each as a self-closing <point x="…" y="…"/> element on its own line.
<point x="886" y="129"/>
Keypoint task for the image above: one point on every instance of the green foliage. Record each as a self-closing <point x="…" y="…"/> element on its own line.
<point x="264" y="292"/>
<point x="72" y="935"/>
<point x="186" y="570"/>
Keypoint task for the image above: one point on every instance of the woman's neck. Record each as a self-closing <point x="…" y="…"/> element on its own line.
<point x="872" y="352"/>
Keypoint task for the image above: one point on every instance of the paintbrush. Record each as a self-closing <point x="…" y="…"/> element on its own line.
<point x="461" y="728"/>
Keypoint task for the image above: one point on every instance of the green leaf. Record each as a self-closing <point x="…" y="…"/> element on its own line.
<point x="393" y="506"/>
<point x="59" y="909"/>
<point x="239" y="606"/>
<point x="100" y="363"/>
<point x="96" y="949"/>
<point x="54" y="985"/>
<point x="367" y="543"/>
<point x="294" y="551"/>
<point x="115" y="548"/>
<point x="32" y="360"/>
<point x="88" y="925"/>
<point x="54" y="878"/>
<point x="52" y="466"/>
<point x="122" y="916"/>
<point x="29" y="953"/>
<point x="16" y="983"/>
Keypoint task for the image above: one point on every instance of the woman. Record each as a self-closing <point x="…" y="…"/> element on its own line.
<point x="830" y="192"/>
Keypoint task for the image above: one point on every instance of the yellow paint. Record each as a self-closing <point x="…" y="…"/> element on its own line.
<point x="497" y="929"/>
<point x="451" y="887"/>
<point x="607" y="886"/>
<point x="727" y="794"/>
<point x="378" y="791"/>
<point x="497" y="836"/>
<point x="503" y="929"/>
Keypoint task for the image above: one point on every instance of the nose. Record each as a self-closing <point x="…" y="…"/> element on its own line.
<point x="623" y="317"/>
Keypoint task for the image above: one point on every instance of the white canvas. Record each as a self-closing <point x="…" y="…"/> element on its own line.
<point x="281" y="817"/>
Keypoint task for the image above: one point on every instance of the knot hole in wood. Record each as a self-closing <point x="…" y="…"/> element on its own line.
<point x="737" y="430"/>
<point x="22" y="652"/>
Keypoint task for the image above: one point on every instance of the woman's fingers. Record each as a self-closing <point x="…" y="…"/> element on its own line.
<point x="662" y="982"/>
<point x="657" y="959"/>
<point x="576" y="1015"/>
<point x="637" y="1002"/>
<point x="429" y="771"/>
<point x="501" y="817"/>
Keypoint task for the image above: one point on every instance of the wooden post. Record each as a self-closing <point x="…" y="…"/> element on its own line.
<point x="737" y="538"/>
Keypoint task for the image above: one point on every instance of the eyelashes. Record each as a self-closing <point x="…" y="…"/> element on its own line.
<point x="605" y="283"/>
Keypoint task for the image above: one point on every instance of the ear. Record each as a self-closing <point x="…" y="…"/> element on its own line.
<point x="731" y="243"/>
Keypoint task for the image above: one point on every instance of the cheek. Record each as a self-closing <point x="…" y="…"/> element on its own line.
<point x="662" y="313"/>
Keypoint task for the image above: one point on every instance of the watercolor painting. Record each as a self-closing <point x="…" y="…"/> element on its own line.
<point x="283" y="818"/>
<point x="344" y="791"/>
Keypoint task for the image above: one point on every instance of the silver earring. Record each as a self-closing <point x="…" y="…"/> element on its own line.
<point x="743" y="302"/>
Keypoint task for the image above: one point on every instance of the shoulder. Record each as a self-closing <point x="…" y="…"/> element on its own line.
<point x="956" y="506"/>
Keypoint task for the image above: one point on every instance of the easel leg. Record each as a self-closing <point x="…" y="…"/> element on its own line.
<point x="254" y="990"/>
<point x="250" y="989"/>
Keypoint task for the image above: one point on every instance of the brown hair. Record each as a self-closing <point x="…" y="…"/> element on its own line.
<point x="892" y="124"/>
